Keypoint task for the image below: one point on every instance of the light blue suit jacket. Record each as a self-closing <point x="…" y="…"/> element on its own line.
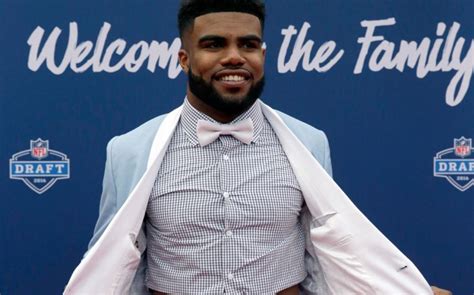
<point x="345" y="252"/>
<point x="127" y="157"/>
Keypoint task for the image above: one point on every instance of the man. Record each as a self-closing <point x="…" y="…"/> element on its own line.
<point x="228" y="196"/>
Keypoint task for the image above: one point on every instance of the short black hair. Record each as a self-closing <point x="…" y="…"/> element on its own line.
<point x="190" y="9"/>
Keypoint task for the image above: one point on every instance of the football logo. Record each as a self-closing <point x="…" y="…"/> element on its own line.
<point x="456" y="164"/>
<point x="39" y="167"/>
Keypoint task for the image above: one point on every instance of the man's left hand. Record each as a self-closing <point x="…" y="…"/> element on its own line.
<point x="439" y="291"/>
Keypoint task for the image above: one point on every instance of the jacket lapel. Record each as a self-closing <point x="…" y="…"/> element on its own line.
<point x="355" y="257"/>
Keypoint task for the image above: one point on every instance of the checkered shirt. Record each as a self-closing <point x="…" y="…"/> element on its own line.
<point x="224" y="218"/>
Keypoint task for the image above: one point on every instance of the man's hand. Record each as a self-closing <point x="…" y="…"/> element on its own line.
<point x="438" y="291"/>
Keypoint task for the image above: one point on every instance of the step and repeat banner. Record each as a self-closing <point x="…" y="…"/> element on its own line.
<point x="388" y="81"/>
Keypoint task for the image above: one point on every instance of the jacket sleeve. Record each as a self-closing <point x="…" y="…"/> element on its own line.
<point x="108" y="201"/>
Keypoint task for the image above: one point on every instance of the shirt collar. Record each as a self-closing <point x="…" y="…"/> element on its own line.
<point x="190" y="117"/>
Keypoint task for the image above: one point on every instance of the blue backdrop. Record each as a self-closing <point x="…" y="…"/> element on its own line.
<point x="110" y="66"/>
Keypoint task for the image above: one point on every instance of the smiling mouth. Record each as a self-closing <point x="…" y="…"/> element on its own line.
<point x="232" y="78"/>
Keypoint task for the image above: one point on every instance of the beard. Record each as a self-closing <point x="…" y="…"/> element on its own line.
<point x="225" y="104"/>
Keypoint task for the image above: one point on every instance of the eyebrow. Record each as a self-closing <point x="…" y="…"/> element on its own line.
<point x="251" y="38"/>
<point x="221" y="39"/>
<point x="211" y="38"/>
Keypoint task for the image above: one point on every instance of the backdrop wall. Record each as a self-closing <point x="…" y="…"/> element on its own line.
<point x="388" y="81"/>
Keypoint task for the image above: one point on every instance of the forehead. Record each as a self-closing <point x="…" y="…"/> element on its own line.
<point x="226" y="24"/>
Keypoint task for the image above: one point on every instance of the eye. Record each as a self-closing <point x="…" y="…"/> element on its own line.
<point x="212" y="44"/>
<point x="251" y="44"/>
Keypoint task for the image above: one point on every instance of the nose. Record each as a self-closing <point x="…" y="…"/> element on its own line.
<point x="233" y="57"/>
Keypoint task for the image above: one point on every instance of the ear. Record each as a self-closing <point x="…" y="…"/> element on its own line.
<point x="183" y="57"/>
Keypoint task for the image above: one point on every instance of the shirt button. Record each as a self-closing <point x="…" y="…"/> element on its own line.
<point x="226" y="195"/>
<point x="230" y="276"/>
<point x="228" y="233"/>
<point x="225" y="157"/>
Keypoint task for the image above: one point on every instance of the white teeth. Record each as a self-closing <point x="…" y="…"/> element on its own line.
<point x="233" y="78"/>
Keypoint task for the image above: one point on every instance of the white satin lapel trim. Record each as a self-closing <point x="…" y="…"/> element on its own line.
<point x="374" y="254"/>
<point x="93" y="274"/>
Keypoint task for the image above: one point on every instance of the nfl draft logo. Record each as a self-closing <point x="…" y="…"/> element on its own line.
<point x="39" y="167"/>
<point x="456" y="164"/>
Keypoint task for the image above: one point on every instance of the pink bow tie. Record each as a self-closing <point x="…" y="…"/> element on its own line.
<point x="207" y="131"/>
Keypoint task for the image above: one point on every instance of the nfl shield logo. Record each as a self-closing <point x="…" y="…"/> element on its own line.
<point x="39" y="167"/>
<point x="39" y="148"/>
<point x="456" y="164"/>
<point x="462" y="147"/>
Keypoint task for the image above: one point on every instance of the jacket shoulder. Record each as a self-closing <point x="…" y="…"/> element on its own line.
<point x="314" y="139"/>
<point x="128" y="155"/>
<point x="140" y="137"/>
